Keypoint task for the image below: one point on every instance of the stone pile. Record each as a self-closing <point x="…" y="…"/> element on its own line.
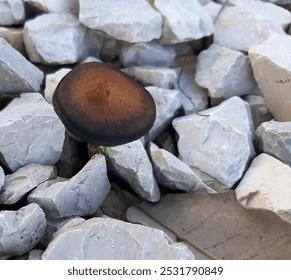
<point x="217" y="78"/>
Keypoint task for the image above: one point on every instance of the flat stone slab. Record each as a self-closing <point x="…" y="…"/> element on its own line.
<point x="110" y="239"/>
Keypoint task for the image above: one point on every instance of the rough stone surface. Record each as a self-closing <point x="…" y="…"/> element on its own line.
<point x="183" y="21"/>
<point x="271" y="62"/>
<point x="266" y="185"/>
<point x="153" y="76"/>
<point x="11" y="12"/>
<point x="55" y="38"/>
<point x="147" y="54"/>
<point x="2" y="177"/>
<point x="30" y="132"/>
<point x="274" y="138"/>
<point x="218" y="140"/>
<point x="224" y="72"/>
<point x="14" y="36"/>
<point x="119" y="241"/>
<point x="25" y="179"/>
<point x="81" y="195"/>
<point x="17" y="74"/>
<point x="130" y="162"/>
<point x="168" y="104"/>
<point x="21" y="230"/>
<point x="171" y="172"/>
<point x="117" y="19"/>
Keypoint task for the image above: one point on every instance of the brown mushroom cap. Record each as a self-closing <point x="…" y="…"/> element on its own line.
<point x="101" y="105"/>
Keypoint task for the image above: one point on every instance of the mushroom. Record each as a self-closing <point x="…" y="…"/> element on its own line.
<point x="101" y="105"/>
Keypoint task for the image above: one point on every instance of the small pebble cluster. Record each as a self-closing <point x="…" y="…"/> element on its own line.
<point x="219" y="76"/>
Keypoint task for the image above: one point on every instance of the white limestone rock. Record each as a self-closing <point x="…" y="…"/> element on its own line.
<point x="119" y="241"/>
<point x="224" y="72"/>
<point x="130" y="162"/>
<point x="23" y="180"/>
<point x="11" y="12"/>
<point x="218" y="140"/>
<point x="271" y="62"/>
<point x="55" y="38"/>
<point x="274" y="138"/>
<point x="81" y="195"/>
<point x="153" y="76"/>
<point x="183" y="21"/>
<point x="171" y="172"/>
<point x="168" y="104"/>
<point x="21" y="230"/>
<point x="17" y="74"/>
<point x="30" y="132"/>
<point x="266" y="185"/>
<point x="2" y="178"/>
<point x="130" y="21"/>
<point x="51" y="82"/>
<point x="147" y="54"/>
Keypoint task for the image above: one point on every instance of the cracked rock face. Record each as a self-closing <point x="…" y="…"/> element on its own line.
<point x="106" y="238"/>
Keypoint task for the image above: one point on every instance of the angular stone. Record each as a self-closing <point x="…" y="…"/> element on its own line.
<point x="17" y="74"/>
<point x="14" y="37"/>
<point x="134" y="21"/>
<point x="2" y="177"/>
<point x="25" y="179"/>
<point x="218" y="140"/>
<point x="147" y="54"/>
<point x="153" y="76"/>
<point x="183" y="21"/>
<point x="224" y="72"/>
<point x="21" y="230"/>
<point x="130" y="162"/>
<point x="272" y="69"/>
<point x="266" y="185"/>
<point x="81" y="195"/>
<point x="51" y="82"/>
<point x="274" y="138"/>
<point x="171" y="172"/>
<point x="11" y="12"/>
<point x="119" y="241"/>
<point x="56" y="38"/>
<point x="168" y="104"/>
<point x="30" y="132"/>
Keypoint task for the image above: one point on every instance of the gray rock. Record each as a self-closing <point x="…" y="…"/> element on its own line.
<point x="130" y="162"/>
<point x="2" y="177"/>
<point x="119" y="241"/>
<point x="266" y="185"/>
<point x="25" y="179"/>
<point x="274" y="138"/>
<point x="81" y="195"/>
<point x="218" y="140"/>
<point x="147" y="54"/>
<point x="183" y="21"/>
<point x="224" y="72"/>
<point x="272" y="69"/>
<point x="21" y="230"/>
<point x="134" y="21"/>
<point x="168" y="104"/>
<point x="11" y="12"/>
<point x="171" y="172"/>
<point x="56" y="38"/>
<point x="30" y="132"/>
<point x="35" y="255"/>
<point x="17" y="74"/>
<point x="153" y="76"/>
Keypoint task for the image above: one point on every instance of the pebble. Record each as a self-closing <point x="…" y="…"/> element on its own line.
<point x="30" y="132"/>
<point x="21" y="230"/>
<point x="266" y="185"/>
<point x="25" y="179"/>
<point x="224" y="72"/>
<point x="14" y="36"/>
<point x="81" y="195"/>
<point x="131" y="163"/>
<point x="119" y="241"/>
<point x="17" y="73"/>
<point x="55" y="38"/>
<point x="11" y="12"/>
<point x="2" y="177"/>
<point x="218" y="140"/>
<point x="117" y="19"/>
